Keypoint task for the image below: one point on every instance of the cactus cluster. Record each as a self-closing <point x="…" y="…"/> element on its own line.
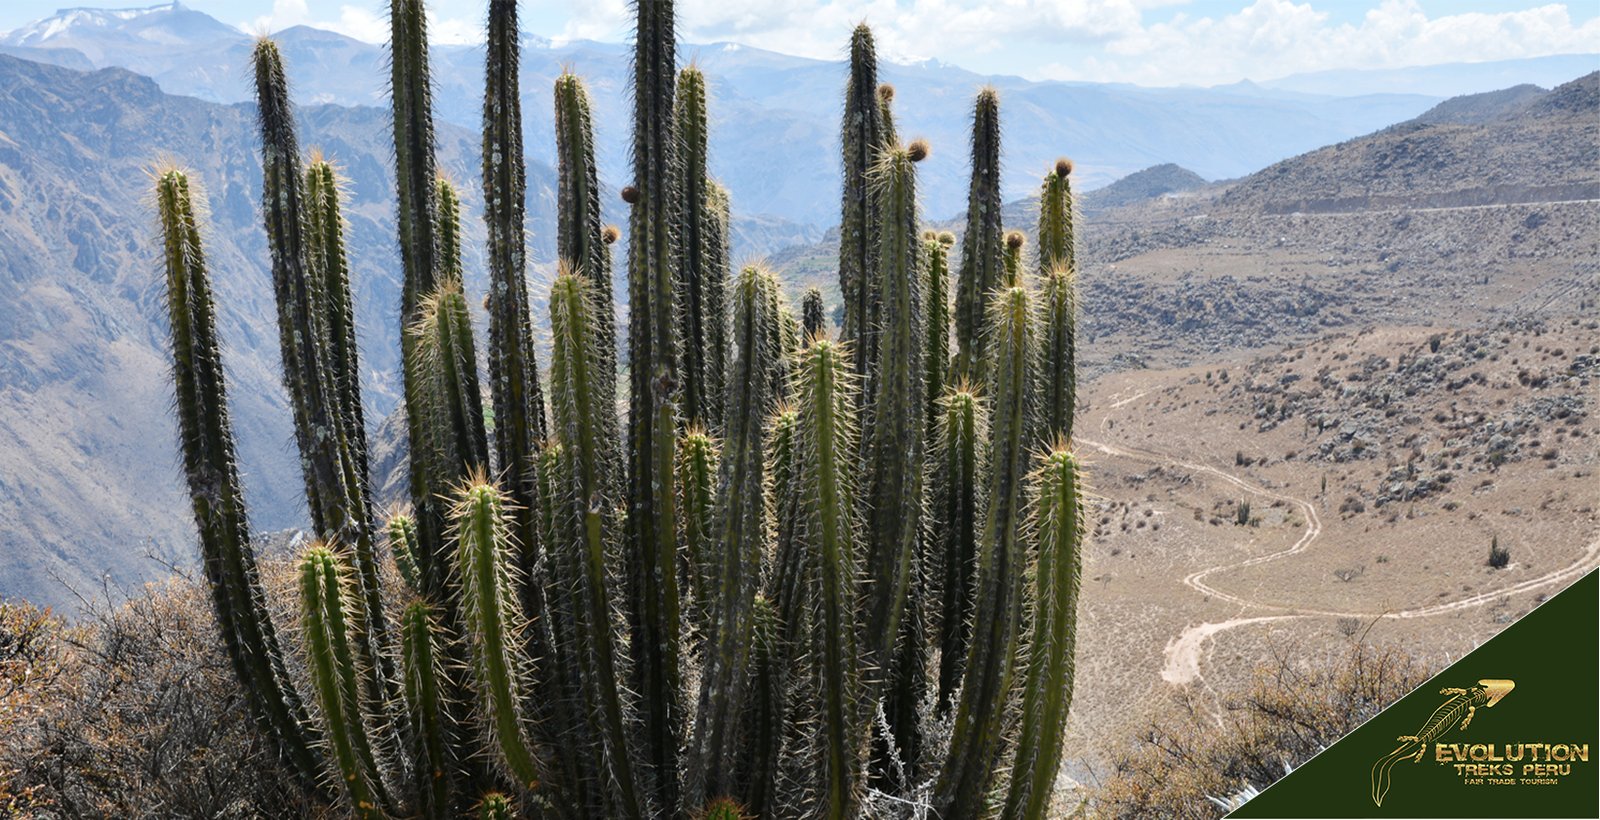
<point x="804" y="576"/>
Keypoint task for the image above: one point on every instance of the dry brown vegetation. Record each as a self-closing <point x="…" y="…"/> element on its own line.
<point x="1201" y="759"/>
<point x="133" y="714"/>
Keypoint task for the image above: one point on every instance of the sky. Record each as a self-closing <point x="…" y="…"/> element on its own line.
<point x="1148" y="42"/>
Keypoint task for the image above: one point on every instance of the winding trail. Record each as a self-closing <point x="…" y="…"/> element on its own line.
<point x="1185" y="652"/>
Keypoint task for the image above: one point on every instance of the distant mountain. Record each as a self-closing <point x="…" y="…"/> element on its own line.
<point x="1142" y="186"/>
<point x="88" y="471"/>
<point x="1445" y="80"/>
<point x="1517" y="145"/>
<point x="767" y="108"/>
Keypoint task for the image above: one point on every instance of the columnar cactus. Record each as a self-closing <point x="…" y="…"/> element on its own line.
<point x="833" y="511"/>
<point x="982" y="254"/>
<point x="332" y="666"/>
<point x="702" y="258"/>
<point x="580" y="237"/>
<point x="957" y="512"/>
<point x="739" y="541"/>
<point x="991" y="666"/>
<point x="1015" y="243"/>
<point x="936" y="354"/>
<point x="211" y="467"/>
<point x="862" y="137"/>
<point x="1047" y="690"/>
<point x="812" y="316"/>
<point x="652" y="553"/>
<point x="829" y="527"/>
<point x="1056" y="243"/>
<point x="513" y="367"/>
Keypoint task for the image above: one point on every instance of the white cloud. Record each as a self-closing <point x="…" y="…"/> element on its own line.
<point x="362" y="23"/>
<point x="1273" y="38"/>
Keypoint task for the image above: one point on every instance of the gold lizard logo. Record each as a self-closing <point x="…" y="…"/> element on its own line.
<point x="1461" y="706"/>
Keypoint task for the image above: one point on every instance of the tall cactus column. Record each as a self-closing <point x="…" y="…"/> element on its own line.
<point x="580" y="236"/>
<point x="216" y="496"/>
<point x="894" y="447"/>
<point x="1047" y="689"/>
<point x="982" y="246"/>
<point x="701" y="269"/>
<point x="861" y="137"/>
<point x="978" y="734"/>
<point x="513" y="368"/>
<point x="652" y="554"/>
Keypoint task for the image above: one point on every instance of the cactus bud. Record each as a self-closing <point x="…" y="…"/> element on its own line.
<point x="630" y="194"/>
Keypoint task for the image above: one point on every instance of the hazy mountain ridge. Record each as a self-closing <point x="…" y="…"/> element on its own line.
<point x="767" y="107"/>
<point x="89" y="470"/>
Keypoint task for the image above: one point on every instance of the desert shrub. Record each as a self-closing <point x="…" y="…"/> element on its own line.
<point x="1193" y="762"/>
<point x="1499" y="556"/>
<point x="133" y="714"/>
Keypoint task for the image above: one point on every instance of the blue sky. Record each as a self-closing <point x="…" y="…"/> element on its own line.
<point x="1151" y="42"/>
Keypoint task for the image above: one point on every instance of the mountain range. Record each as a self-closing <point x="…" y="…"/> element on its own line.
<point x="88" y="477"/>
<point x="772" y="108"/>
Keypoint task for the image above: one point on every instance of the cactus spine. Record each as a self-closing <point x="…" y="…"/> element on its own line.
<point x="1047" y="689"/>
<point x="982" y="254"/>
<point x="652" y="554"/>
<point x="1056" y="242"/>
<point x="991" y="665"/>
<point x="495" y="806"/>
<point x="701" y="271"/>
<point x="862" y="137"/>
<point x="217" y="498"/>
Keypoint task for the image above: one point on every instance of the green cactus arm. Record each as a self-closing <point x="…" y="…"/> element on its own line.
<point x="420" y="666"/>
<point x="826" y="454"/>
<point x="449" y="399"/>
<point x="447" y="232"/>
<point x="718" y="262"/>
<point x="580" y="237"/>
<point x="652" y="551"/>
<point x="977" y="736"/>
<point x="513" y="364"/>
<point x="334" y="677"/>
<point x="697" y="468"/>
<point x="888" y="136"/>
<point x="1056" y="242"/>
<point x="957" y="511"/>
<point x="861" y="138"/>
<point x="583" y="416"/>
<point x="694" y="276"/>
<point x="499" y="667"/>
<point x="982" y="261"/>
<point x="1047" y="687"/>
<point x="763" y="720"/>
<point x="211" y="467"/>
<point x="936" y="353"/>
<point x="1016" y="242"/>
<point x="811" y="311"/>
<point x="329" y="260"/>
<point x="402" y="531"/>
<point x="1059" y="380"/>
<point x="732" y="575"/>
<point x="893" y="450"/>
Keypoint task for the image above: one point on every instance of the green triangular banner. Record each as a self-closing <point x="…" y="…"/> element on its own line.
<point x="1530" y="748"/>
